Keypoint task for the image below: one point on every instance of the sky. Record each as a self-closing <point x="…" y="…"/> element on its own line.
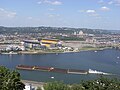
<point x="96" y="14"/>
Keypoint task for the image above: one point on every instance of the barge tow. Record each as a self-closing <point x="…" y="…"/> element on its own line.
<point x="51" y="69"/>
<point x="60" y="70"/>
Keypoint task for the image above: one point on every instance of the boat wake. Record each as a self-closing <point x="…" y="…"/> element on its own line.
<point x="98" y="72"/>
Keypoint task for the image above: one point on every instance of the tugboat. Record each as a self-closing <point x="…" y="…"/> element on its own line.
<point x="60" y="70"/>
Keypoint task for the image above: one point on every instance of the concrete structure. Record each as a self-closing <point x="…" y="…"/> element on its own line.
<point x="31" y="43"/>
<point x="51" y="43"/>
<point x="43" y="43"/>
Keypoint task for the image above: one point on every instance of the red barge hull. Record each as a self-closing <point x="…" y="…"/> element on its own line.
<point x="51" y="69"/>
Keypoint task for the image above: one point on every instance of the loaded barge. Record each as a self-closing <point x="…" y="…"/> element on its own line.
<point x="52" y="69"/>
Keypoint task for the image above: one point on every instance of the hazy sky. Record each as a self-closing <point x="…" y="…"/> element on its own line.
<point x="101" y="14"/>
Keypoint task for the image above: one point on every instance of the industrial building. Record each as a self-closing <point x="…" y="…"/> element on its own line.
<point x="43" y="43"/>
<point x="31" y="44"/>
<point x="51" y="43"/>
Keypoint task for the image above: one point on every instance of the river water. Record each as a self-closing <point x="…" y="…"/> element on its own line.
<point x="106" y="61"/>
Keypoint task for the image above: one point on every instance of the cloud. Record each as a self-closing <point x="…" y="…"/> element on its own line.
<point x="101" y="1"/>
<point x="111" y="2"/>
<point x="29" y="18"/>
<point x="81" y="11"/>
<point x="51" y="9"/>
<point x="104" y="8"/>
<point x="117" y="2"/>
<point x="11" y="14"/>
<point x="50" y="2"/>
<point x="39" y="2"/>
<point x="7" y="14"/>
<point x="90" y="11"/>
<point x="52" y="15"/>
<point x="95" y="15"/>
<point x="56" y="3"/>
<point x="1" y="9"/>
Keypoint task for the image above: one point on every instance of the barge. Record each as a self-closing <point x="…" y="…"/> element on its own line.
<point x="51" y="69"/>
<point x="60" y="70"/>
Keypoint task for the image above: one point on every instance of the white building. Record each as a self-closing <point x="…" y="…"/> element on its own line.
<point x="81" y="33"/>
<point x="28" y="87"/>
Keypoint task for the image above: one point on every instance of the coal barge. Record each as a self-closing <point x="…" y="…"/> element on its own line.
<point x="51" y="69"/>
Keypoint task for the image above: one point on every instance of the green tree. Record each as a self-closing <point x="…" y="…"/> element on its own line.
<point x="39" y="88"/>
<point x="102" y="84"/>
<point x="56" y="86"/>
<point x="77" y="87"/>
<point x="10" y="80"/>
<point x="97" y="84"/>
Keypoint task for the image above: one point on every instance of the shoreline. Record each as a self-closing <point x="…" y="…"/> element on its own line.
<point x="43" y="52"/>
<point x="95" y="49"/>
<point x="35" y="84"/>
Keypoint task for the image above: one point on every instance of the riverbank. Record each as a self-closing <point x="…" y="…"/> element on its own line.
<point x="55" y="52"/>
<point x="33" y="84"/>
<point x="94" y="49"/>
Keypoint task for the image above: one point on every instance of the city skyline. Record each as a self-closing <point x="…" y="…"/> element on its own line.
<point x="96" y="14"/>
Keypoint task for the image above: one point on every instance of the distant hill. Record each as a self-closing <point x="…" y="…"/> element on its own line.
<point x="43" y="29"/>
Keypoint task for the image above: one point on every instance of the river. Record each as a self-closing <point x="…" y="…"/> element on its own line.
<point x="106" y="61"/>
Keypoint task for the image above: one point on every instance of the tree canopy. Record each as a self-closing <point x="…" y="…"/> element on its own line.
<point x="10" y="80"/>
<point x="101" y="83"/>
